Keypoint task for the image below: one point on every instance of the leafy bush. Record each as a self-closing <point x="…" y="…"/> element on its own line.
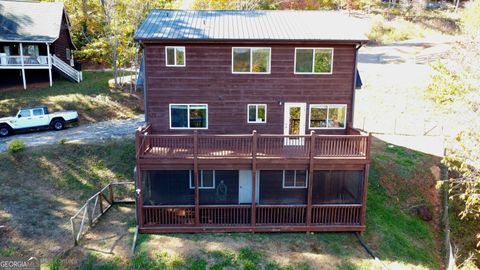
<point x="471" y="19"/>
<point x="16" y="146"/>
<point x="390" y="31"/>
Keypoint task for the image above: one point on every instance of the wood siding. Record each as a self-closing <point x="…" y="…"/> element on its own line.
<point x="207" y="78"/>
<point x="64" y="42"/>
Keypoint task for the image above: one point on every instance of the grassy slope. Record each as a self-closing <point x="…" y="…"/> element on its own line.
<point x="93" y="99"/>
<point x="73" y="172"/>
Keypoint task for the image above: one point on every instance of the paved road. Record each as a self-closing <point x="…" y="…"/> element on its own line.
<point x="81" y="133"/>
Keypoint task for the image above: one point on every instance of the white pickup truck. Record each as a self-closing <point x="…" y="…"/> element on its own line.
<point x="36" y="118"/>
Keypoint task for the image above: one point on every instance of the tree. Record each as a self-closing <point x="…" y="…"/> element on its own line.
<point x="454" y="91"/>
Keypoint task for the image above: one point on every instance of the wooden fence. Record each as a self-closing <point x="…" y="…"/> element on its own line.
<point x="95" y="207"/>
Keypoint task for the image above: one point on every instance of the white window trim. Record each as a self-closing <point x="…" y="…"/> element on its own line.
<point x="295" y="180"/>
<point x="188" y="109"/>
<point x="200" y="180"/>
<point x="327" y="106"/>
<point x="175" y="56"/>
<point x="256" y="114"/>
<point x="313" y="63"/>
<point x="250" y="72"/>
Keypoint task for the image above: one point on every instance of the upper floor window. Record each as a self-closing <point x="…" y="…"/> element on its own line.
<point x="206" y="179"/>
<point x="175" y="56"/>
<point x="257" y="113"/>
<point x="295" y="179"/>
<point x="251" y="60"/>
<point x="323" y="116"/>
<point x="188" y="116"/>
<point x="313" y="60"/>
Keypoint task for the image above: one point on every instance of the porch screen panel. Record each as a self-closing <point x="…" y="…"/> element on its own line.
<point x="342" y="187"/>
<point x="167" y="188"/>
<point x="273" y="192"/>
<point x="225" y="190"/>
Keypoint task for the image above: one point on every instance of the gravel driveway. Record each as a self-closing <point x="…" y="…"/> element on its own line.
<point x="81" y="133"/>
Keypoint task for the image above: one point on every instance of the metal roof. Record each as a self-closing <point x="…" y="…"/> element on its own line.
<point x="30" y="21"/>
<point x="284" y="25"/>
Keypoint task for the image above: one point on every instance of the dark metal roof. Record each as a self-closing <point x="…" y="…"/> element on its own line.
<point x="30" y="21"/>
<point x="284" y="25"/>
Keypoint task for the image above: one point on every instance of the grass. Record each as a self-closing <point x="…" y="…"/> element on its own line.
<point x="93" y="98"/>
<point x="71" y="173"/>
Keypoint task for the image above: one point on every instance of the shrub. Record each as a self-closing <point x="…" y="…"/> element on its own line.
<point x="397" y="30"/>
<point x="62" y="141"/>
<point x="16" y="146"/>
<point x="471" y="19"/>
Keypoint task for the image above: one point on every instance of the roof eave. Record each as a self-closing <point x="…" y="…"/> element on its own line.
<point x="253" y="41"/>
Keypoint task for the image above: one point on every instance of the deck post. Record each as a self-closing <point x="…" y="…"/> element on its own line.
<point x="254" y="177"/>
<point x="195" y="177"/>
<point x="365" y="181"/>
<point x="140" y="196"/>
<point x="23" y="67"/>
<point x="310" y="178"/>
<point x="49" y="59"/>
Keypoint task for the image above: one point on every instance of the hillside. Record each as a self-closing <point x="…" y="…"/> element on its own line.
<point x="44" y="186"/>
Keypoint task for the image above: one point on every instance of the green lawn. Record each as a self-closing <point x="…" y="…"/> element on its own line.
<point x="45" y="185"/>
<point x="93" y="98"/>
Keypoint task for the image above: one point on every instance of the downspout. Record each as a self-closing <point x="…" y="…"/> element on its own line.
<point x="354" y="86"/>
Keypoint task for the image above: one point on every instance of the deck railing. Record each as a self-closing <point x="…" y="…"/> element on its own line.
<point x="240" y="215"/>
<point x="154" y="146"/>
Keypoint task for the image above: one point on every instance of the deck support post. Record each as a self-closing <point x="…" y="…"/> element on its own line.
<point x="23" y="66"/>
<point x="254" y="177"/>
<point x="310" y="178"/>
<point x="365" y="181"/>
<point x="49" y="59"/>
<point x="195" y="177"/>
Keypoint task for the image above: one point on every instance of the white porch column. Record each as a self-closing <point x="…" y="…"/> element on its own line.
<point x="23" y="67"/>
<point x="49" y="57"/>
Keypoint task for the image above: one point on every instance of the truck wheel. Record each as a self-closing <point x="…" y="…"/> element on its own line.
<point x="5" y="131"/>
<point x="58" y="124"/>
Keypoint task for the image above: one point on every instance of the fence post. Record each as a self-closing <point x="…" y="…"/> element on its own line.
<point x="75" y="243"/>
<point x="110" y="189"/>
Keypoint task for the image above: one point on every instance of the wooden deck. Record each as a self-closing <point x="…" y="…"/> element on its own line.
<point x="271" y="149"/>
<point x="254" y="152"/>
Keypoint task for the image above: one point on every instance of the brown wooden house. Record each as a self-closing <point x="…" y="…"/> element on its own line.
<point x="35" y="43"/>
<point x="249" y="123"/>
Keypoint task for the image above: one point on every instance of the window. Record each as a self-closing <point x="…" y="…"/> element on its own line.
<point x="251" y="60"/>
<point x="206" y="179"/>
<point x="24" y="113"/>
<point x="327" y="116"/>
<point x="175" y="56"/>
<point x="68" y="54"/>
<point x="313" y="60"/>
<point x="37" y="112"/>
<point x="31" y="50"/>
<point x="295" y="179"/>
<point x="188" y="116"/>
<point x="257" y="113"/>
